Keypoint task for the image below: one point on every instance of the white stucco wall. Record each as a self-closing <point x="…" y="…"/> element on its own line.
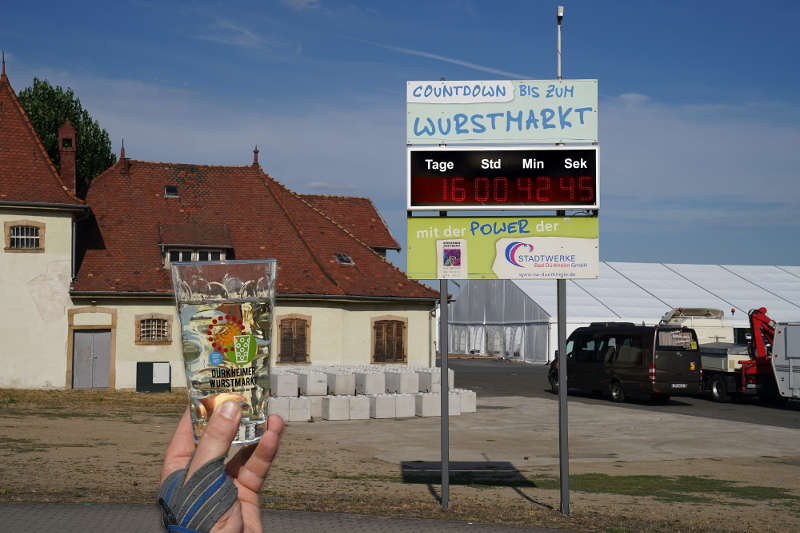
<point x="340" y="333"/>
<point x="34" y="296"/>
<point x="127" y="353"/>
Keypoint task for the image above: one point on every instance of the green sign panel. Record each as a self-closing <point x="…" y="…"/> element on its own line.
<point x="503" y="247"/>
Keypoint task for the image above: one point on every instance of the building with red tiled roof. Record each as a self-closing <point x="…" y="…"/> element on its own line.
<point x="338" y="298"/>
<point x="339" y="301"/>
<point x="38" y="210"/>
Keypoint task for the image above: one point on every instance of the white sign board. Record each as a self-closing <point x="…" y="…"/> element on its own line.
<point x="520" y="111"/>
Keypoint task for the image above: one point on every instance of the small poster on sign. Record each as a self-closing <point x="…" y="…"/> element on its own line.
<point x="452" y="259"/>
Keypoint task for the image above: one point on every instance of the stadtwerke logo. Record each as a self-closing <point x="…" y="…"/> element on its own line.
<point x="511" y="251"/>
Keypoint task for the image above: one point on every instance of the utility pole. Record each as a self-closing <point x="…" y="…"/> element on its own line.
<point x="561" y="297"/>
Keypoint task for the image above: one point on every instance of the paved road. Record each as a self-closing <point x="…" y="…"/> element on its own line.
<point x="490" y="377"/>
<point x="103" y="517"/>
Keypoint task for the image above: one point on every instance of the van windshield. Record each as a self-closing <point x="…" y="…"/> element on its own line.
<point x="676" y="339"/>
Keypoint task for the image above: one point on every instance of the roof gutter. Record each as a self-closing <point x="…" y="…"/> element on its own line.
<point x="346" y="298"/>
<point x="164" y="246"/>
<point x="43" y="205"/>
<point x="281" y="297"/>
<point x="121" y="294"/>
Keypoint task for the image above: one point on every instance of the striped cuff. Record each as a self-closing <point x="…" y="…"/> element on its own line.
<point x="197" y="504"/>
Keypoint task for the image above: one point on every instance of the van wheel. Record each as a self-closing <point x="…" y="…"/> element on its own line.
<point x="719" y="390"/>
<point x="616" y="392"/>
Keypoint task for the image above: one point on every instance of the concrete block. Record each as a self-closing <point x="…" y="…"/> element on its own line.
<point x="359" y="407"/>
<point x="341" y="384"/>
<point x="369" y="383"/>
<point x="335" y="408"/>
<point x="316" y="406"/>
<point x="283" y="385"/>
<point x="433" y="379"/>
<point x="429" y="380"/>
<point x="382" y="406"/>
<point x="299" y="409"/>
<point x="427" y="404"/>
<point x="469" y="401"/>
<point x="454" y="404"/>
<point x="404" y="405"/>
<point x="278" y="406"/>
<point x="402" y="382"/>
<point x="313" y="384"/>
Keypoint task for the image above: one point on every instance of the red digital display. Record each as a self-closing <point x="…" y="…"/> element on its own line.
<point x="501" y="190"/>
<point x="538" y="179"/>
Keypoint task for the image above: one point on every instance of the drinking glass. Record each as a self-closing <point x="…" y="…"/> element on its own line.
<point x="226" y="311"/>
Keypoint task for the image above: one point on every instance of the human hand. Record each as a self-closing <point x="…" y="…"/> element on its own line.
<point x="248" y="468"/>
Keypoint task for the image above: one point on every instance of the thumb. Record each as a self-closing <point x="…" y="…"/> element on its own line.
<point x="218" y="435"/>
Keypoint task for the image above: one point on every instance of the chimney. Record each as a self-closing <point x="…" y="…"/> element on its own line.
<point x="67" y="143"/>
<point x="255" y="156"/>
<point x="126" y="164"/>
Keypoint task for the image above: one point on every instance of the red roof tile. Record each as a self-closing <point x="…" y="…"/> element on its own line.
<point x="358" y="216"/>
<point x="26" y="173"/>
<point x="265" y="219"/>
<point x="211" y="235"/>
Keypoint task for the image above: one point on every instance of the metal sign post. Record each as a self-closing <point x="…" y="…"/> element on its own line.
<point x="445" y="393"/>
<point x="563" y="423"/>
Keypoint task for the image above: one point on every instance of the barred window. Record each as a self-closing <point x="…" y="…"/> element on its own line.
<point x="24" y="236"/>
<point x="153" y="329"/>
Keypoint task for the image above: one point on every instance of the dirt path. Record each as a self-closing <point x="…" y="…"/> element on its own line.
<point x="104" y="453"/>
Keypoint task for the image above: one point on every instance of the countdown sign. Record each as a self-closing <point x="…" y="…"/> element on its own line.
<point x="518" y="178"/>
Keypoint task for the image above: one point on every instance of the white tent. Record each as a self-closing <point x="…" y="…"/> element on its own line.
<point x="518" y="319"/>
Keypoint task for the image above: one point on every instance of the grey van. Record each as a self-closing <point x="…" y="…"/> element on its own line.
<point x="625" y="360"/>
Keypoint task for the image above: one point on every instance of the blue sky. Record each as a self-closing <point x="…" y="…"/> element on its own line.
<point x="698" y="118"/>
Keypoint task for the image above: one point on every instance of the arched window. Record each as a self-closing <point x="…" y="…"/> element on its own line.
<point x="294" y="339"/>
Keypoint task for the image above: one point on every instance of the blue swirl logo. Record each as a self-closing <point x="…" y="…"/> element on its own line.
<point x="511" y="251"/>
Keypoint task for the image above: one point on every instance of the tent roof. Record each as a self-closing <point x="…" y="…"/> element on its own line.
<point x="645" y="291"/>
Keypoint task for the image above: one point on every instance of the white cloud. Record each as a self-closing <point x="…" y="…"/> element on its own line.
<point x="300" y="5"/>
<point x="428" y="55"/>
<point x="328" y="186"/>
<point x="230" y="33"/>
<point x="227" y="32"/>
<point x="633" y="99"/>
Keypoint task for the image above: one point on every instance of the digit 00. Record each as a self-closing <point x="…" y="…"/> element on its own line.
<point x="495" y="190"/>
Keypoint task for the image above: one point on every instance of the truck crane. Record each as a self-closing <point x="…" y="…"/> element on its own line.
<point x="729" y="368"/>
<point x="757" y="371"/>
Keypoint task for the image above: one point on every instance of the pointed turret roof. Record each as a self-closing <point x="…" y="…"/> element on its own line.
<point x="27" y="176"/>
